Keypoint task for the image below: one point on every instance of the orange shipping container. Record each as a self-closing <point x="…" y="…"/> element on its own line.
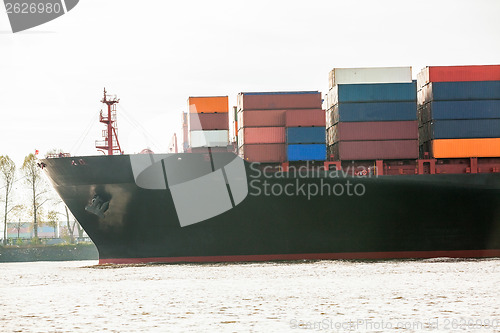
<point x="464" y="148"/>
<point x="208" y="104"/>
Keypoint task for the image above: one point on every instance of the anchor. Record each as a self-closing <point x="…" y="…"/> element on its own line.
<point x="97" y="206"/>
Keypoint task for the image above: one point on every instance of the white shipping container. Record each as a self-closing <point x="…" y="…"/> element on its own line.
<point x="218" y="138"/>
<point x="369" y="75"/>
<point x="331" y="98"/>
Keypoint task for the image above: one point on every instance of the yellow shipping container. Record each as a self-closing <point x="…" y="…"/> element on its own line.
<point x="219" y="104"/>
<point x="464" y="148"/>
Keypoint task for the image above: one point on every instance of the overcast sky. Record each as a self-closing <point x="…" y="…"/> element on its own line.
<point x="155" y="54"/>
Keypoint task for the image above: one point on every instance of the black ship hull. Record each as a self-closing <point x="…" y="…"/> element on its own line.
<point x="280" y="216"/>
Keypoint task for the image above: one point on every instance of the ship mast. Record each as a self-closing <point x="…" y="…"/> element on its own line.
<point x="110" y="135"/>
<point x="172" y="147"/>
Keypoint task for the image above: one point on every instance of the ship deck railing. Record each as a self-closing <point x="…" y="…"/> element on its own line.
<point x="58" y="155"/>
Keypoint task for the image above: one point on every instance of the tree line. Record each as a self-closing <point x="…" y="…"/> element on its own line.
<point x="39" y="194"/>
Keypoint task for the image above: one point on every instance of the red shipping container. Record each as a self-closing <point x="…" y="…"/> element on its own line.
<point x="261" y="118"/>
<point x="279" y="101"/>
<point x="373" y="130"/>
<point x="208" y="121"/>
<point x="264" y="153"/>
<point x="458" y="73"/>
<point x="257" y="135"/>
<point x="374" y="150"/>
<point x="306" y="118"/>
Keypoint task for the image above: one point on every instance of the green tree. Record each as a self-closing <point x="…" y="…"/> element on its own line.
<point x="52" y="221"/>
<point x="37" y="186"/>
<point x="7" y="173"/>
<point x="18" y="211"/>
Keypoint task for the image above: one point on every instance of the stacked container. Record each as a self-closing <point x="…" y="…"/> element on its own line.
<point x="208" y="122"/>
<point x="306" y="143"/>
<point x="274" y="123"/>
<point x="185" y="132"/>
<point x="372" y="114"/>
<point x="459" y="111"/>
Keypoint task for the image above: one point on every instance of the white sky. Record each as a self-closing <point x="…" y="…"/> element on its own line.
<point x="156" y="53"/>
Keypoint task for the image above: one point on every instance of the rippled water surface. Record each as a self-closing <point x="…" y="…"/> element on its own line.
<point x="426" y="295"/>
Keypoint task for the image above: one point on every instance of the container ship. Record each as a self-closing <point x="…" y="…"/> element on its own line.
<point x="382" y="167"/>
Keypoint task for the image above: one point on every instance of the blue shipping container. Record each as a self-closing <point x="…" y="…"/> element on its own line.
<point x="460" y="129"/>
<point x="306" y="135"/>
<point x="459" y="91"/>
<point x="380" y="92"/>
<point x="441" y="110"/>
<point x="390" y="111"/>
<point x="314" y="152"/>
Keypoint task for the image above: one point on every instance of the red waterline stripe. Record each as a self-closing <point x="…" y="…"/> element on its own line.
<point x="311" y="256"/>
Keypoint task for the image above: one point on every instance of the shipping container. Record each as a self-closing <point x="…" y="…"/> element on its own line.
<point x="369" y="75"/>
<point x="464" y="148"/>
<point x="460" y="129"/>
<point x="258" y="135"/>
<point x="447" y="110"/>
<point x="305" y="135"/>
<point x="263" y="153"/>
<point x="329" y="121"/>
<point x="458" y="73"/>
<point x="370" y="131"/>
<point x="459" y="91"/>
<point x="233" y="128"/>
<point x="305" y="118"/>
<point x="374" y="150"/>
<point x="331" y="135"/>
<point x="208" y="121"/>
<point x="380" y="92"/>
<point x="363" y="112"/>
<point x="185" y="138"/>
<point x="279" y="100"/>
<point x="306" y="152"/>
<point x="212" y="104"/>
<point x="262" y="118"/>
<point x="209" y="138"/>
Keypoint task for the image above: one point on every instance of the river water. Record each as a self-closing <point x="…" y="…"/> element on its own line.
<point x="437" y="295"/>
